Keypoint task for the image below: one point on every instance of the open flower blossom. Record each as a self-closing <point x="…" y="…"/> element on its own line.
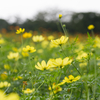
<point x="20" y="31"/>
<point x="70" y="79"/>
<point x="27" y="35"/>
<point x="29" y="49"/>
<point x="13" y="55"/>
<point x="96" y="42"/>
<point x="90" y="27"/>
<point x="38" y="38"/>
<point x="43" y="66"/>
<point x="27" y="91"/>
<point x="11" y="96"/>
<point x="2" y="41"/>
<point x="54" y="89"/>
<point x="4" y="84"/>
<point x="58" y="62"/>
<point x="81" y="55"/>
<point x="59" y="42"/>
<point x="51" y="37"/>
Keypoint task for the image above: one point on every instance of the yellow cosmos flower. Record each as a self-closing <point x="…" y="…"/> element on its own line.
<point x="54" y="89"/>
<point x="96" y="42"/>
<point x="2" y="41"/>
<point x="29" y="49"/>
<point x="13" y="55"/>
<point x="40" y="51"/>
<point x="90" y="27"/>
<point x="81" y="55"/>
<point x="83" y="64"/>
<point x="4" y="84"/>
<point x="70" y="79"/>
<point x="27" y="35"/>
<point x="51" y="37"/>
<point x="60" y="41"/>
<point x="38" y="38"/>
<point x="43" y="65"/>
<point x="61" y="62"/>
<point x="28" y="90"/>
<point x="11" y="96"/>
<point x="60" y="15"/>
<point x="25" y="54"/>
<point x="20" y="31"/>
<point x="6" y="66"/>
<point x="44" y="44"/>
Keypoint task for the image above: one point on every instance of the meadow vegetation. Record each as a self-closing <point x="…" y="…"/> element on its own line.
<point x="36" y="66"/>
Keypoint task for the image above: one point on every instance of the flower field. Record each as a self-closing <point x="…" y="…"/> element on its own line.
<point x="38" y="67"/>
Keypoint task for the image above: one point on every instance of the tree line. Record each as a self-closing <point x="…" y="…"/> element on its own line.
<point x="75" y="22"/>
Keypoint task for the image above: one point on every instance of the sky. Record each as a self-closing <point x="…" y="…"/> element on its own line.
<point x="24" y="9"/>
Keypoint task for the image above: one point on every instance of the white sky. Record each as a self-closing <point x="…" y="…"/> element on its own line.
<point x="28" y="8"/>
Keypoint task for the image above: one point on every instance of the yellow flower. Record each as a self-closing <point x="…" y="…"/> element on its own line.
<point x="40" y="51"/>
<point x="90" y="27"/>
<point x="13" y="55"/>
<point x="11" y="96"/>
<point x="25" y="54"/>
<point x="4" y="84"/>
<point x="44" y="44"/>
<point x="81" y="55"/>
<point x="60" y="41"/>
<point x="62" y="62"/>
<point x="43" y="65"/>
<point x="4" y="76"/>
<point x="38" y="38"/>
<point x="6" y="66"/>
<point x="70" y="79"/>
<point x="2" y="41"/>
<point x="29" y="49"/>
<point x="60" y="15"/>
<point x="54" y="89"/>
<point x="20" y="31"/>
<point x="27" y="35"/>
<point x="28" y="90"/>
<point x="2" y="95"/>
<point x="0" y="35"/>
<point x="51" y="37"/>
<point x="83" y="64"/>
<point x="96" y="42"/>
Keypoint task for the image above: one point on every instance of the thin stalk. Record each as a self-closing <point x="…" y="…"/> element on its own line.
<point x="76" y="69"/>
<point x="94" y="90"/>
<point x="63" y="28"/>
<point x="70" y="95"/>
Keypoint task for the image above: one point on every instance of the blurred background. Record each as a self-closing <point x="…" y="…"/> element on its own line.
<point x="42" y="15"/>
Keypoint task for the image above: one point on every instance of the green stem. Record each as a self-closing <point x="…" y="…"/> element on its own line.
<point x="63" y="27"/>
<point x="94" y="90"/>
<point x="76" y="69"/>
<point x="70" y="95"/>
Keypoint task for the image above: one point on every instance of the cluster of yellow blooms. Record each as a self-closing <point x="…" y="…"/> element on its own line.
<point x="11" y="96"/>
<point x="59" y="42"/>
<point x="38" y="38"/>
<point x="53" y="63"/>
<point x="54" y="89"/>
<point x="4" y="84"/>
